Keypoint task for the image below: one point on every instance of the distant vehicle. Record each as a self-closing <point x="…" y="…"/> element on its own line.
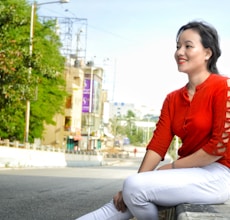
<point x="126" y="141"/>
<point x="117" y="143"/>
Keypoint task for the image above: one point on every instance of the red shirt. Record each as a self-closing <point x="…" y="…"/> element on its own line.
<point x="200" y="123"/>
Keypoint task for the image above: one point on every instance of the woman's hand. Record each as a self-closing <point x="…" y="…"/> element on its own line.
<point x="165" y="167"/>
<point x="119" y="202"/>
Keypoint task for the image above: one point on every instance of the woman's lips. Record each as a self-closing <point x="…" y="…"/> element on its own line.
<point x="181" y="61"/>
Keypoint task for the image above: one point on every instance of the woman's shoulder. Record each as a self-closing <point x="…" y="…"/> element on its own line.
<point x="217" y="81"/>
<point x="218" y="78"/>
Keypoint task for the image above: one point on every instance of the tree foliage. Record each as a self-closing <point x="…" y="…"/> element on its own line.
<point x="125" y="126"/>
<point x="44" y="87"/>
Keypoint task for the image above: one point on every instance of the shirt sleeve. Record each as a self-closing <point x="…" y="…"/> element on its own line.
<point x="162" y="136"/>
<point x="218" y="144"/>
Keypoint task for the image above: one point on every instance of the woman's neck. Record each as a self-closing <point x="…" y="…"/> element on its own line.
<point x="196" y="80"/>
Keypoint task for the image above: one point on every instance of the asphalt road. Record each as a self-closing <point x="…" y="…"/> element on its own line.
<point x="62" y="193"/>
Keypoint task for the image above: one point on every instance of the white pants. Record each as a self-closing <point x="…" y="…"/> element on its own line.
<point x="143" y="192"/>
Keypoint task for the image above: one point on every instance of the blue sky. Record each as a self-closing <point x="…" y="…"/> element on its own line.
<point x="140" y="36"/>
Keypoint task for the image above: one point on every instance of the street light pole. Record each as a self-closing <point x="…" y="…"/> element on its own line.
<point x="33" y="7"/>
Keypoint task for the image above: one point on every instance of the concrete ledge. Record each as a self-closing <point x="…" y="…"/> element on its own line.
<point x="192" y="211"/>
<point x="16" y="157"/>
<point x="196" y="212"/>
<point x="11" y="157"/>
<point x="167" y="213"/>
<point x="209" y="212"/>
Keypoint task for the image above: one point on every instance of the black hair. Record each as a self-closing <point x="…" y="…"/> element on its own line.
<point x="209" y="39"/>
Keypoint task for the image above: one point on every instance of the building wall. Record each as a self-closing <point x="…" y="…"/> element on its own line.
<point x="53" y="134"/>
<point x="68" y="124"/>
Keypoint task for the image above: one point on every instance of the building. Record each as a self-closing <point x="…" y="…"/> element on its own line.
<point x="120" y="109"/>
<point x="81" y="126"/>
<point x="92" y="107"/>
<point x="67" y="131"/>
<point x="73" y="108"/>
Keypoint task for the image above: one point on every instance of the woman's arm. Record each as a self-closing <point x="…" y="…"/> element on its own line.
<point x="150" y="161"/>
<point x="198" y="159"/>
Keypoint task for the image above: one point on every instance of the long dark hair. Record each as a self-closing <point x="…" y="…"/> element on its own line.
<point x="209" y="39"/>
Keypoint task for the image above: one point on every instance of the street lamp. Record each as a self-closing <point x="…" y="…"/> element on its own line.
<point x="33" y="6"/>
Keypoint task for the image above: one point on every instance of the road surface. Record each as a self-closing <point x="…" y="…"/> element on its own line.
<point x="60" y="193"/>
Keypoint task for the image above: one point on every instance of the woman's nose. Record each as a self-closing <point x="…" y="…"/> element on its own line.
<point x="180" y="51"/>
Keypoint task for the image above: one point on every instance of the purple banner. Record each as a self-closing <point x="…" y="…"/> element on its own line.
<point x="86" y="96"/>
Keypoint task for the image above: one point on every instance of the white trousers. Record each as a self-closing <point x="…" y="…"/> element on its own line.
<point x="143" y="192"/>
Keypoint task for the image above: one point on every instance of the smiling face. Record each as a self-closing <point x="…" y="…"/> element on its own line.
<point x="191" y="56"/>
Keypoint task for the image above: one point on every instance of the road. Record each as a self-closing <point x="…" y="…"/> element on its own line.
<point x="66" y="193"/>
<point x="60" y="193"/>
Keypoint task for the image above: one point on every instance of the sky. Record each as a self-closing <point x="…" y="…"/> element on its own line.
<point x="139" y="36"/>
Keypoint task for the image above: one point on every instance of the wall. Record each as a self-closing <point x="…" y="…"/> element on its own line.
<point x="21" y="157"/>
<point x="17" y="157"/>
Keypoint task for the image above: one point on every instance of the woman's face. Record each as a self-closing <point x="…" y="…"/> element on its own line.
<point x="191" y="56"/>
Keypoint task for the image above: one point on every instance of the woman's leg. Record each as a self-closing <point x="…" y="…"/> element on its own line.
<point x="107" y="212"/>
<point x="144" y="191"/>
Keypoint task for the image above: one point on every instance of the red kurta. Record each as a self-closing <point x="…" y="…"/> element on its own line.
<point x="200" y="123"/>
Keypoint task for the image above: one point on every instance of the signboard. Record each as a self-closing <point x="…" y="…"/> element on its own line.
<point x="86" y="96"/>
<point x="91" y="94"/>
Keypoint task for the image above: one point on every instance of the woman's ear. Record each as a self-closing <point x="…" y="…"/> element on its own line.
<point x="208" y="53"/>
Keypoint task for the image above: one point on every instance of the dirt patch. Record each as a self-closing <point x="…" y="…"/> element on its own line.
<point x="112" y="150"/>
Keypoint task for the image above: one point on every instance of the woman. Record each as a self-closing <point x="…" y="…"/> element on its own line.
<point x="198" y="113"/>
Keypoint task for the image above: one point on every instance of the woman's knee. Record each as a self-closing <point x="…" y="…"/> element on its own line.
<point x="132" y="187"/>
<point x="131" y="182"/>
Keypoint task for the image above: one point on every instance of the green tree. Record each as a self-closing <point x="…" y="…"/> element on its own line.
<point x="131" y="127"/>
<point x="46" y="85"/>
<point x="116" y="128"/>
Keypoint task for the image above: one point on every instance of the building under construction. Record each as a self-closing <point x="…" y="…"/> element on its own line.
<point x="73" y="35"/>
<point x="81" y="127"/>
